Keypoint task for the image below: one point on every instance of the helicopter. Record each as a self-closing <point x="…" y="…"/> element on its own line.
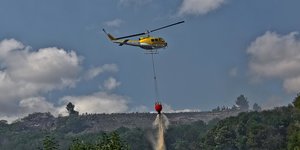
<point x="149" y="43"/>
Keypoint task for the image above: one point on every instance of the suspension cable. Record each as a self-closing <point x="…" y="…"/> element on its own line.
<point x="155" y="79"/>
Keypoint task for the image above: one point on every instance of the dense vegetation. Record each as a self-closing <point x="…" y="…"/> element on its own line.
<point x="276" y="129"/>
<point x="177" y="137"/>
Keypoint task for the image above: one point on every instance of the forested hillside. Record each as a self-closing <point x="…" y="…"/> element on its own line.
<point x="276" y="129"/>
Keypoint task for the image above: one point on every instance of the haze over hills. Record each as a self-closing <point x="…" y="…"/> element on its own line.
<point x="111" y="122"/>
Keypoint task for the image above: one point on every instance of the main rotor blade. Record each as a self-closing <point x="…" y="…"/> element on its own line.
<point x="167" y="26"/>
<point x="124" y="37"/>
<point x="139" y="34"/>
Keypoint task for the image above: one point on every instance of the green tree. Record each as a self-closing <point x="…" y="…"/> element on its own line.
<point x="81" y="145"/>
<point x="186" y="137"/>
<point x="136" y="138"/>
<point x="296" y="101"/>
<point x="106" y="142"/>
<point x="49" y="143"/>
<point x="70" y="108"/>
<point x="111" y="142"/>
<point x="256" y="107"/>
<point x="294" y="137"/>
<point x="242" y="102"/>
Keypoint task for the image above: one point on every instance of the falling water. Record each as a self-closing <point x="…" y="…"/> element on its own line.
<point x="161" y="123"/>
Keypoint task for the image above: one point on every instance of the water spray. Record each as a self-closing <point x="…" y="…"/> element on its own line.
<point x="161" y="123"/>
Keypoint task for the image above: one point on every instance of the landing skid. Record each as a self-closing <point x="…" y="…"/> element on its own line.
<point x="152" y="51"/>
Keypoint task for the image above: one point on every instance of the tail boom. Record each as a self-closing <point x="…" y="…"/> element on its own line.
<point x="112" y="38"/>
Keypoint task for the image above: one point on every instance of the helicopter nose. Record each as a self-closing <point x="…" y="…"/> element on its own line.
<point x="166" y="44"/>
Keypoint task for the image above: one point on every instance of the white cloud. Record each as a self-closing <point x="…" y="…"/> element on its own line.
<point x="168" y="109"/>
<point x="27" y="106"/>
<point x="26" y="75"/>
<point x="9" y="119"/>
<point x="276" y="56"/>
<point x="140" y="109"/>
<point x="199" y="7"/>
<point x="114" y="23"/>
<point x="94" y="72"/>
<point x="100" y="102"/>
<point x="292" y="84"/>
<point x="273" y="101"/>
<point x="111" y="83"/>
<point x="36" y="104"/>
<point x="8" y="45"/>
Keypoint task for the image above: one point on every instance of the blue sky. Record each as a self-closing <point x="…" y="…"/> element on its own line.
<point x="52" y="52"/>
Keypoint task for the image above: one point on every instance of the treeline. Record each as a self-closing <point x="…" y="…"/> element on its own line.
<point x="241" y="104"/>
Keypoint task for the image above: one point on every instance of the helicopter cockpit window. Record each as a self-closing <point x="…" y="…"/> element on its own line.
<point x="156" y="40"/>
<point x="152" y="40"/>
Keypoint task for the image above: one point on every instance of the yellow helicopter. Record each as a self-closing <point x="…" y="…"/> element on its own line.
<point x="149" y="43"/>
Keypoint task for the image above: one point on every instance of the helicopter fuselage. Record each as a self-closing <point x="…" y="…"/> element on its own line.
<point x="148" y="43"/>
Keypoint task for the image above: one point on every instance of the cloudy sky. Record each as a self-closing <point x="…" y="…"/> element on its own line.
<point x="53" y="52"/>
